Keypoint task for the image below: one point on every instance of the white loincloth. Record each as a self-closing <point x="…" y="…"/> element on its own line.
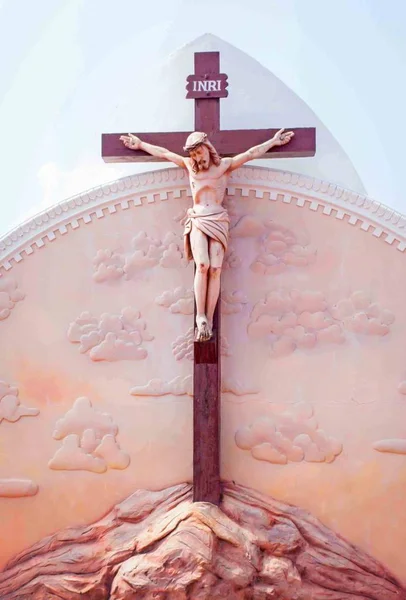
<point x="215" y="224"/>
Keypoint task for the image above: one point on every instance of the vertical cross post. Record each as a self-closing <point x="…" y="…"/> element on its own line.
<point x="207" y="361"/>
<point x="206" y="417"/>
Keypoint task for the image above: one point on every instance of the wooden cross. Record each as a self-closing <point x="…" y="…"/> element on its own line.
<point x="206" y="87"/>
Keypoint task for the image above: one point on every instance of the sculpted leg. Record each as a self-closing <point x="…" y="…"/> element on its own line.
<point x="216" y="254"/>
<point x="200" y="251"/>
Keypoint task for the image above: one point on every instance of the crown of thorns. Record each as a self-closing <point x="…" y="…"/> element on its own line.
<point x="195" y="139"/>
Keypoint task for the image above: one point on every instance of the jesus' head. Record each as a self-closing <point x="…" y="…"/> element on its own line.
<point x="201" y="151"/>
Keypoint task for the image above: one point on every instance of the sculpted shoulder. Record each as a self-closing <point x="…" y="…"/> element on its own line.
<point x="188" y="162"/>
<point x="225" y="164"/>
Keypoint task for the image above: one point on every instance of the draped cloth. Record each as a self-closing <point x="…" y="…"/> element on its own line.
<point x="214" y="224"/>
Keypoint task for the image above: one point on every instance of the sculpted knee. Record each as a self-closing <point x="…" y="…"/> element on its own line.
<point x="215" y="272"/>
<point x="203" y="267"/>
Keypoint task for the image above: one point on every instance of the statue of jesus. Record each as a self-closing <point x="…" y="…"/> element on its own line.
<point x="206" y="228"/>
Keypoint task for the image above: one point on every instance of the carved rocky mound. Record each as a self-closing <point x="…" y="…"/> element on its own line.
<point x="161" y="546"/>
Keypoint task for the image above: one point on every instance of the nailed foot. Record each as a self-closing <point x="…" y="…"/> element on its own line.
<point x="204" y="331"/>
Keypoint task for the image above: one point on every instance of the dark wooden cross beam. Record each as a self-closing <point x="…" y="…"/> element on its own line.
<point x="206" y="87"/>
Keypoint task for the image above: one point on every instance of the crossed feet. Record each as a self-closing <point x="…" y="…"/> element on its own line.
<point x="204" y="329"/>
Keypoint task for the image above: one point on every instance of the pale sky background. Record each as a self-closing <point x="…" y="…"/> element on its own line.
<point x="67" y="66"/>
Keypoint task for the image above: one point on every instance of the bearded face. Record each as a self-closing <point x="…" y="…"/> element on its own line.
<point x="201" y="156"/>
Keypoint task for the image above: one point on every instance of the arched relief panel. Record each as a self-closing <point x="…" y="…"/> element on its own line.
<point x="313" y="327"/>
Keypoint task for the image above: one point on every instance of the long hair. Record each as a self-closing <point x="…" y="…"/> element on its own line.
<point x="200" y="139"/>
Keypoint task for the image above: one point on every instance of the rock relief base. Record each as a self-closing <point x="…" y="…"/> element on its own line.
<point x="161" y="545"/>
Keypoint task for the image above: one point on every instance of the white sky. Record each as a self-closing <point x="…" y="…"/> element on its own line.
<point x="66" y="65"/>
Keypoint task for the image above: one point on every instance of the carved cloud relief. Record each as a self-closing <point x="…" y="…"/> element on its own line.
<point x="146" y="252"/>
<point x="289" y="436"/>
<point x="111" y="337"/>
<point x="88" y="441"/>
<point x="17" y="488"/>
<point x="278" y="246"/>
<point x="11" y="409"/>
<point x="232" y="302"/>
<point x="237" y="388"/>
<point x="181" y="301"/>
<point x="392" y="446"/>
<point x="183" y="386"/>
<point x="10" y="294"/>
<point x="231" y="259"/>
<point x="303" y="319"/>
<point x="178" y="386"/>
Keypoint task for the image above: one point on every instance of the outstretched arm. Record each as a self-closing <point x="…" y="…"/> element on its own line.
<point x="279" y="139"/>
<point x="134" y="143"/>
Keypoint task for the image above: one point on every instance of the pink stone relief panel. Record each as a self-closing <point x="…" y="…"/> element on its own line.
<point x="313" y="407"/>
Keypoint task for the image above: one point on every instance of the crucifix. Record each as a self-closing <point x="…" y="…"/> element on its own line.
<point x="209" y="155"/>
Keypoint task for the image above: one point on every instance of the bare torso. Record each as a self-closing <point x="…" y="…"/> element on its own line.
<point x="208" y="186"/>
